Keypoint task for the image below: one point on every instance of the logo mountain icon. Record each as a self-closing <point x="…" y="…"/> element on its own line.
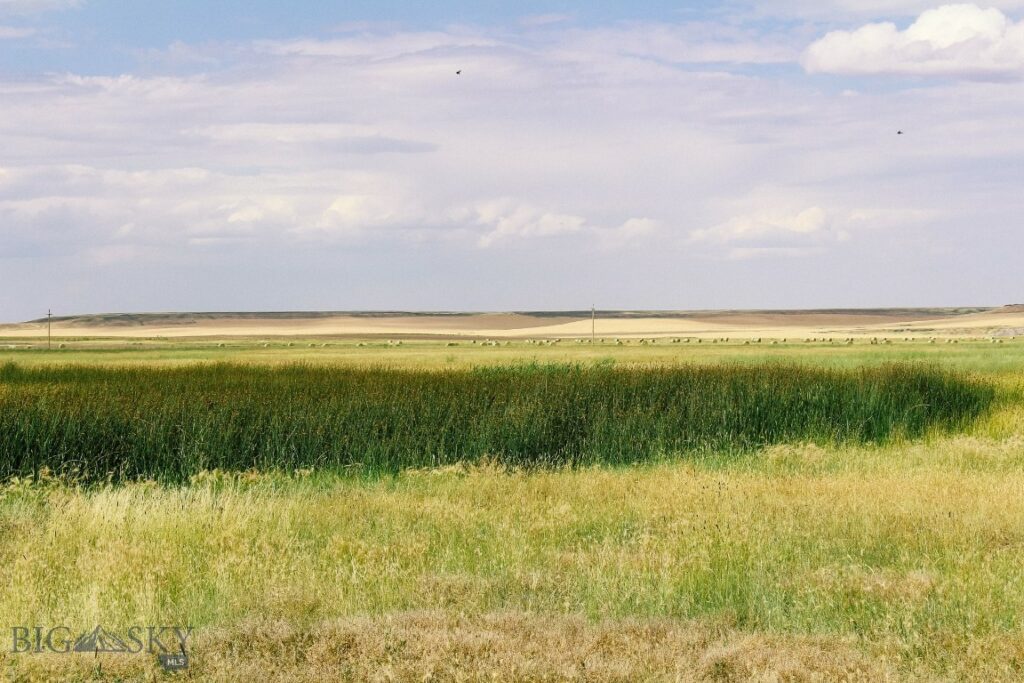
<point x="99" y="640"/>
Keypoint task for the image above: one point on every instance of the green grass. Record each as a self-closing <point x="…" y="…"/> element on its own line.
<point x="911" y="557"/>
<point x="972" y="356"/>
<point x="887" y="549"/>
<point x="171" y="423"/>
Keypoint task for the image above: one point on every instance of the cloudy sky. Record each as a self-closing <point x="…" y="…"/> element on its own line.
<point x="236" y="155"/>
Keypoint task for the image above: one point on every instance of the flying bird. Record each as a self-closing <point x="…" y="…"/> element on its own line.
<point x="459" y="72"/>
<point x="899" y="132"/>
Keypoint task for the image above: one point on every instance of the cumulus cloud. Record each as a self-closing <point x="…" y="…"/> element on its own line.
<point x="767" y="225"/>
<point x="961" y="40"/>
<point x="614" y="147"/>
<point x="506" y="219"/>
<point x="632" y="231"/>
<point x="773" y="232"/>
<point x="785" y="231"/>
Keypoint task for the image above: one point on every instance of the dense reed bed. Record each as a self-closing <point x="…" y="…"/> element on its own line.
<point x="131" y="423"/>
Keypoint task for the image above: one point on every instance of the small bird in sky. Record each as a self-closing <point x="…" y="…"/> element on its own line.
<point x="459" y="72"/>
<point x="899" y="132"/>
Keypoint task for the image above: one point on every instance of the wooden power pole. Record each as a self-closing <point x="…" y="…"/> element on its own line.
<point x="593" y="324"/>
<point x="48" y="316"/>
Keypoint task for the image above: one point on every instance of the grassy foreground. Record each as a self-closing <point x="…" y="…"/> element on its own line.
<point x="789" y="562"/>
<point x="869" y="562"/>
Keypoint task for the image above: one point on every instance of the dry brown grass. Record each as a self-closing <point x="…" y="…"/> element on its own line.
<point x="442" y="646"/>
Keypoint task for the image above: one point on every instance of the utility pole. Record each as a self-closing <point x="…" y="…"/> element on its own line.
<point x="48" y="316"/>
<point x="593" y="324"/>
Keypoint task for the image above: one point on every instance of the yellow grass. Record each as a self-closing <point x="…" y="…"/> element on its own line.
<point x="797" y="563"/>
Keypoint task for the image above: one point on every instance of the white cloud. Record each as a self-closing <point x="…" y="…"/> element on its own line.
<point x="606" y="147"/>
<point x="632" y="231"/>
<point x="789" y="232"/>
<point x="507" y="219"/>
<point x="767" y="225"/>
<point x="953" y="40"/>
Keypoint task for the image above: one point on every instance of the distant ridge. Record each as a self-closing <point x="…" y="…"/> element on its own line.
<point x="392" y="325"/>
<point x="186" y="318"/>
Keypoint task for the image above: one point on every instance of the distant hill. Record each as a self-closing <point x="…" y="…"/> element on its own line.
<point x="185" y="318"/>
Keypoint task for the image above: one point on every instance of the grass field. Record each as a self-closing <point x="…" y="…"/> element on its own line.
<point x="172" y="423"/>
<point x="793" y="558"/>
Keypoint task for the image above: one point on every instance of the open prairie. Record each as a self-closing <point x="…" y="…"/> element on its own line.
<point x="483" y="508"/>
<point x="1007" y="321"/>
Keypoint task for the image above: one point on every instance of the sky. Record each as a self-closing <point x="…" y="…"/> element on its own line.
<point x="258" y="155"/>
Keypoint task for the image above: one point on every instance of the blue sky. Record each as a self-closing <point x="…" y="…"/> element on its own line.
<point x="259" y="155"/>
